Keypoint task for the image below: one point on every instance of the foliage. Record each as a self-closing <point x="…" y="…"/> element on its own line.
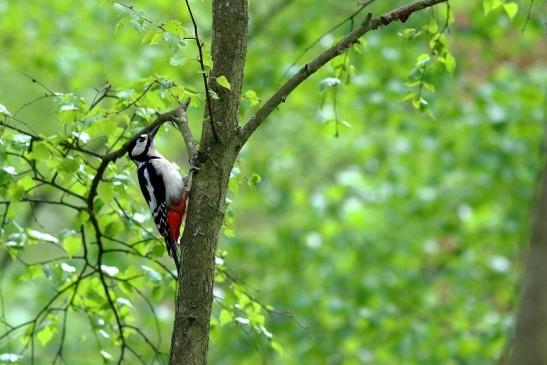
<point x="397" y="242"/>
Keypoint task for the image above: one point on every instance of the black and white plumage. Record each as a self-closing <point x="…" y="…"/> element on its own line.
<point x="163" y="189"/>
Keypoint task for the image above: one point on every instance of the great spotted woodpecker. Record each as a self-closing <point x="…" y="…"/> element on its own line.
<point x="165" y="191"/>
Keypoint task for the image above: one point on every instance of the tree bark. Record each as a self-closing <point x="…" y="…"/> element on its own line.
<point x="190" y="337"/>
<point x="530" y="343"/>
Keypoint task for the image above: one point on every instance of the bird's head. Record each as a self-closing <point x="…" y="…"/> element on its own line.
<point x="142" y="147"/>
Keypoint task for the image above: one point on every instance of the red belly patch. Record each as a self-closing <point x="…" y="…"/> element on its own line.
<point x="176" y="215"/>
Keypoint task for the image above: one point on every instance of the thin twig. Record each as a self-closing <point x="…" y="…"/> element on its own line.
<point x="76" y="147"/>
<point x="101" y="94"/>
<point x="310" y="68"/>
<point x="98" y="238"/>
<point x="203" y="73"/>
<point x="528" y="15"/>
<point x="318" y="39"/>
<point x="184" y="128"/>
<point x="29" y="103"/>
<point x="17" y="129"/>
<point x="35" y="81"/>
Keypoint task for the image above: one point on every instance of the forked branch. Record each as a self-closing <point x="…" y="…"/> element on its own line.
<point x="340" y="47"/>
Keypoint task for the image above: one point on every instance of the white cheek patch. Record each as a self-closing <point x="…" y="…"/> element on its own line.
<point x="139" y="148"/>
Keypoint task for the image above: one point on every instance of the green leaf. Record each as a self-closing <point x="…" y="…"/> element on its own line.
<point x="72" y="245"/>
<point x="15" y="192"/>
<point x="158" y="250"/>
<point x="26" y="182"/>
<point x="106" y="356"/>
<point x="233" y="185"/>
<point x="157" y="292"/>
<point x="41" y="236"/>
<point x="223" y="81"/>
<point x="69" y="165"/>
<point x="114" y="228"/>
<point x="40" y="151"/>
<point x="449" y="62"/>
<point x="277" y="347"/>
<point x="254" y="180"/>
<point x="243" y="299"/>
<point x="409" y="33"/>
<point x="328" y="82"/>
<point x="252" y="97"/>
<point x="489" y="5"/>
<point x="106" y="191"/>
<point x="4" y="110"/>
<point x="179" y="58"/>
<point x="68" y="113"/>
<point x="123" y="21"/>
<point x="229" y="232"/>
<point x="32" y="272"/>
<point x="46" y="333"/>
<point x="175" y="28"/>
<point x="511" y="9"/>
<point x="152" y="274"/>
<point x="432" y="26"/>
<point x="346" y="124"/>
<point x="225" y="317"/>
<point x="213" y="94"/>
<point x="82" y="217"/>
<point x="423" y="60"/>
<point x="152" y="37"/>
<point x="120" y="8"/>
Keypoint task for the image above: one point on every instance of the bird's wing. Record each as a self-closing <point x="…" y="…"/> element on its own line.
<point x="153" y="189"/>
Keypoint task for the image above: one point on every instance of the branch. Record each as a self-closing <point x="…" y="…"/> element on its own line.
<point x="32" y="136"/>
<point x="98" y="237"/>
<point x="134" y="102"/>
<point x="35" y="81"/>
<point x="184" y="128"/>
<point x="57" y="186"/>
<point x="76" y="147"/>
<point x="45" y="201"/>
<point x="310" y="68"/>
<point x="318" y="39"/>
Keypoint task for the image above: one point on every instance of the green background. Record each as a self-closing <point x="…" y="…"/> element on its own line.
<point x="400" y="241"/>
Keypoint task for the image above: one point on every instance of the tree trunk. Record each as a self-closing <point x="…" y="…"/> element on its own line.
<point x="190" y="337"/>
<point x="220" y="143"/>
<point x="530" y="344"/>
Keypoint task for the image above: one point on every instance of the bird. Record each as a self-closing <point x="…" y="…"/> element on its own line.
<point x="163" y="188"/>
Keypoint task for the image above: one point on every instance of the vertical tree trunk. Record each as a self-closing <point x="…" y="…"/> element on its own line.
<point x="530" y="344"/>
<point x="190" y="337"/>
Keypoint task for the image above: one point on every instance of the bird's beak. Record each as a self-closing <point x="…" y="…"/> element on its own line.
<point x="153" y="132"/>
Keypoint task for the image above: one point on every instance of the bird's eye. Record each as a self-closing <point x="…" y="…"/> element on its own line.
<point x="141" y="139"/>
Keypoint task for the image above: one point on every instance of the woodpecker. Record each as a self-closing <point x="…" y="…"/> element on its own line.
<point x="164" y="189"/>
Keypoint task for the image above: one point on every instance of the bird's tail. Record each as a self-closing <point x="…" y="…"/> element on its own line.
<point x="172" y="250"/>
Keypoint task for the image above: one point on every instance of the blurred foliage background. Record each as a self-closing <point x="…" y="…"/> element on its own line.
<point x="363" y="228"/>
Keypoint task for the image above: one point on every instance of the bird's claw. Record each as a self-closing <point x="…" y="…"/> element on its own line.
<point x="193" y="163"/>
